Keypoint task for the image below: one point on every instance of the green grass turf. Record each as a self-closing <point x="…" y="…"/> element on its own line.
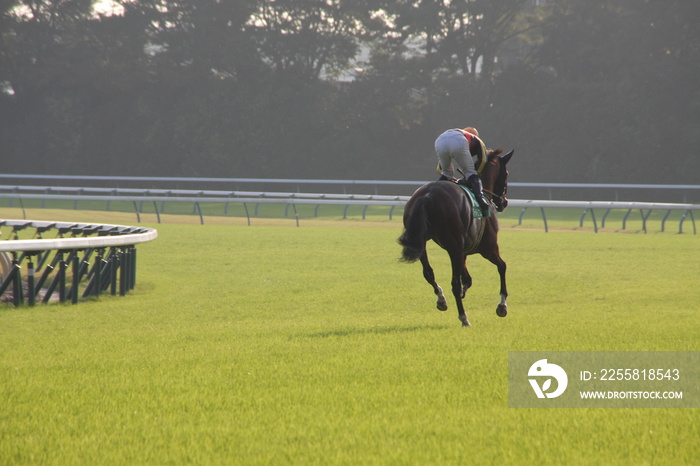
<point x="315" y="345"/>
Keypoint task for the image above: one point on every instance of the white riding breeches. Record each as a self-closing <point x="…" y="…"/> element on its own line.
<point x="452" y="150"/>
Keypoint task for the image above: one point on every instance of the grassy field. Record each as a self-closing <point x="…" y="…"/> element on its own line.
<point x="273" y="344"/>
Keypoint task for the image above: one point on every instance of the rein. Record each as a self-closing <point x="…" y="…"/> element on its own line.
<point x="494" y="195"/>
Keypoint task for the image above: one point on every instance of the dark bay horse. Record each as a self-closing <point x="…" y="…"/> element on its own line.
<point x="442" y="211"/>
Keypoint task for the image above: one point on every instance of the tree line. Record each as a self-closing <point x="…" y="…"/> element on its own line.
<point x="595" y="91"/>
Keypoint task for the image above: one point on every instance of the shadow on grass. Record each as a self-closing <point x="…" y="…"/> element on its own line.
<point x="375" y="330"/>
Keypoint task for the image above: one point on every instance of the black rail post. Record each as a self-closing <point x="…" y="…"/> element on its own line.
<point x="544" y="219"/>
<point x="123" y="272"/>
<point x="106" y="272"/>
<point x="114" y="261"/>
<point x="247" y="214"/>
<point x="155" y="205"/>
<point x="138" y="214"/>
<point x="522" y="214"/>
<point x="580" y="223"/>
<point x="31" y="294"/>
<point x="43" y="256"/>
<point x="126" y="273"/>
<point x="132" y="281"/>
<point x="663" y="221"/>
<point x="201" y="215"/>
<point x="645" y="217"/>
<point x="62" y="266"/>
<point x="99" y="262"/>
<point x="296" y="214"/>
<point x="85" y="263"/>
<point x="52" y="286"/>
<point x="44" y="275"/>
<point x="624" y="219"/>
<point x="76" y="280"/>
<point x="16" y="282"/>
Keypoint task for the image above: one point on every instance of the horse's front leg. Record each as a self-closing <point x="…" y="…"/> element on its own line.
<point x="495" y="258"/>
<point x="430" y="278"/>
<point x="502" y="308"/>
<point x="466" y="279"/>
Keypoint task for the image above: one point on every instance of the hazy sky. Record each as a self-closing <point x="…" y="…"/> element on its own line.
<point x="107" y="7"/>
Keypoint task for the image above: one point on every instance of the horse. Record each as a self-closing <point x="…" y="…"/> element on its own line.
<point x="442" y="211"/>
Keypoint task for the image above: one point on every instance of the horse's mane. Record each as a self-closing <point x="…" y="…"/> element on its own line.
<point x="494" y="152"/>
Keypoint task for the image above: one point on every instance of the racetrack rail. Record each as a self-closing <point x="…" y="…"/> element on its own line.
<point x="245" y="198"/>
<point x="62" y="262"/>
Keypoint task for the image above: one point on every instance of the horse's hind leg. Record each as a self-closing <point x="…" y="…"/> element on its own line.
<point x="458" y="272"/>
<point x="430" y="278"/>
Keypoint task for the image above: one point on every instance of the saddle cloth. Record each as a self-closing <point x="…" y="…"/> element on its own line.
<point x="476" y="210"/>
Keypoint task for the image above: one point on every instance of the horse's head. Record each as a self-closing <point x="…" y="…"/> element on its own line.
<point x="495" y="177"/>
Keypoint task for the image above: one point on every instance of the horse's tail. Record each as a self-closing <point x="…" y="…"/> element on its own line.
<point x="413" y="238"/>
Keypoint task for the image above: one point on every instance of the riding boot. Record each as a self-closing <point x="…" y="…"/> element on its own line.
<point x="443" y="178"/>
<point x="474" y="184"/>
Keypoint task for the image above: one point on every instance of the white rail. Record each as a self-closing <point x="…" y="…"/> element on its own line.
<point x="602" y="205"/>
<point x="302" y="181"/>
<point x="108" y="236"/>
<point x="198" y="197"/>
<point x="590" y="206"/>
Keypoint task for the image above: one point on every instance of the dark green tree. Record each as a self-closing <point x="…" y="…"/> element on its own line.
<point x="623" y="86"/>
<point x="602" y="90"/>
<point x="306" y="37"/>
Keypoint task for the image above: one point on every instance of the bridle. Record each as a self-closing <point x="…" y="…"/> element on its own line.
<point x="501" y="197"/>
<point x="500" y="200"/>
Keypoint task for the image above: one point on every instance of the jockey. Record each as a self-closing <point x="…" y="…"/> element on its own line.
<point x="455" y="148"/>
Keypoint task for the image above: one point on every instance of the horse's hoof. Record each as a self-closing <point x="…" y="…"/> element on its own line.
<point x="466" y="324"/>
<point x="442" y="305"/>
<point x="502" y="310"/>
